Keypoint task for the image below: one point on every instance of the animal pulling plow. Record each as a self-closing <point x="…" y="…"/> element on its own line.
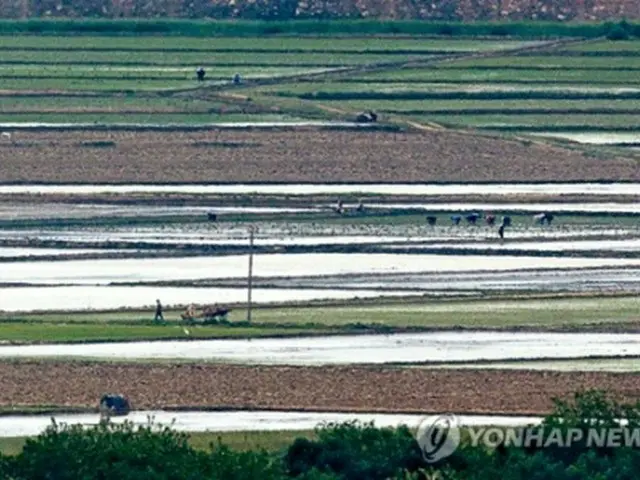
<point x="209" y="315"/>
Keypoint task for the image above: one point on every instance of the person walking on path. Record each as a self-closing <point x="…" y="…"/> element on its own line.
<point x="159" y="316"/>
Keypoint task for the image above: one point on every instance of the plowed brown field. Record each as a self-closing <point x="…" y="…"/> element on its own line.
<point x="295" y="156"/>
<point x="80" y="384"/>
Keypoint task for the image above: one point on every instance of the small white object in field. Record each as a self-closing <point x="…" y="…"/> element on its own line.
<point x="186" y="332"/>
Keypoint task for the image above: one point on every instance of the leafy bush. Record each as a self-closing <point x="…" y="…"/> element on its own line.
<point x="355" y="452"/>
<point x="108" y="451"/>
<point x="618" y="33"/>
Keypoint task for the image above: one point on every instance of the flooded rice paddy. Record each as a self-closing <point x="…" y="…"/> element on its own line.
<point x="356" y="349"/>
<point x="621" y="365"/>
<point x="318" y="233"/>
<point x="108" y="271"/>
<point x="340" y="287"/>
<point x="18" y="211"/>
<point x="54" y="210"/>
<point x="629" y="245"/>
<point x="31" y="425"/>
<point x="613" y="138"/>
<point x="456" y="260"/>
<point x="32" y="284"/>
<point x="478" y="283"/>
<point x="39" y="252"/>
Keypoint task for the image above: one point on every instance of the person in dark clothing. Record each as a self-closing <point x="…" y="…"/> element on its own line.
<point x="501" y="231"/>
<point x="159" y="316"/>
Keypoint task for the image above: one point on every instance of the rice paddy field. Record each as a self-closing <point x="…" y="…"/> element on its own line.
<point x="506" y="86"/>
<point x="152" y="80"/>
<point x="397" y="283"/>
<point x="591" y="88"/>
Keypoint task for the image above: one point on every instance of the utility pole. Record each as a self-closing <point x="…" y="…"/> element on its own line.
<point x="250" y="273"/>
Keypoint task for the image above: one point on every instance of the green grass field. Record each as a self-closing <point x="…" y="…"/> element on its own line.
<point x="148" y="66"/>
<point x="101" y="332"/>
<point x="111" y="72"/>
<point x="25" y="103"/>
<point x="463" y="76"/>
<point x="356" y="45"/>
<point x="208" y="60"/>
<point x="145" y="67"/>
<point x="251" y="440"/>
<point x="548" y="105"/>
<point x="150" y="118"/>
<point x="544" y="314"/>
<point x="551" y="62"/>
<point x="548" y="119"/>
<point x="545" y="82"/>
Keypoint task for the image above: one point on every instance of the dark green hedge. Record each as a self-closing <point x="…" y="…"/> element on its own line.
<point x="248" y="28"/>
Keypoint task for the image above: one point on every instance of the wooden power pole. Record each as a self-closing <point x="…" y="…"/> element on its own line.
<point x="250" y="279"/>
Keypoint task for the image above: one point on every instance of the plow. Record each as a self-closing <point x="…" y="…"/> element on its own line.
<point x="208" y="315"/>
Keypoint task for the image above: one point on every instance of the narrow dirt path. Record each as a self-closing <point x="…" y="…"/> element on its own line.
<point x="227" y="91"/>
<point x="415" y="62"/>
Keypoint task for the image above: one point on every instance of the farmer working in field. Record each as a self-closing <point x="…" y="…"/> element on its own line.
<point x="158" y="316"/>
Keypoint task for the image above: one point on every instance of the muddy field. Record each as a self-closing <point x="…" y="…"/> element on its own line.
<point x="64" y="203"/>
<point x="304" y="155"/>
<point x="321" y="389"/>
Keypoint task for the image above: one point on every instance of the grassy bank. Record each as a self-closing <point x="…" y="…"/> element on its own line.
<point x="141" y="330"/>
<point x="271" y="441"/>
<point x="597" y="313"/>
<point x="244" y="441"/>
<point x="199" y="28"/>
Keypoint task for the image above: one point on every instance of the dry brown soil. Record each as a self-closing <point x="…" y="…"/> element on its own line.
<point x="80" y="384"/>
<point x="295" y="156"/>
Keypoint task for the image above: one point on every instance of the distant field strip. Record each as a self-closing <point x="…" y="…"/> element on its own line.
<point x="570" y="87"/>
<point x="30" y="72"/>
<point x="257" y="44"/>
<point x="542" y="61"/>
<point x="76" y="57"/>
<point x="605" y="46"/>
<point x="543" y="119"/>
<point x="125" y="73"/>
<point x="114" y="103"/>
<point x="505" y="106"/>
<point x="140" y="118"/>
<point x="471" y="95"/>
